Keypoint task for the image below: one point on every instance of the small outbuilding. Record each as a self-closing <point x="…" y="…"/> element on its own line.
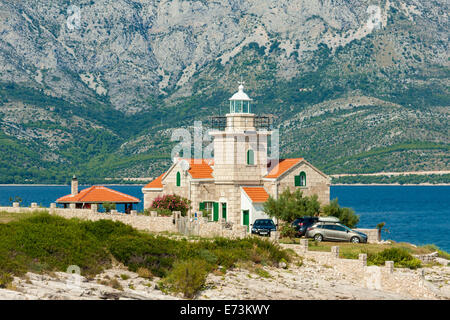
<point x="96" y="195"/>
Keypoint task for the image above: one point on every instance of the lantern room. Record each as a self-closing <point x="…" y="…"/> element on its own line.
<point x="240" y="102"/>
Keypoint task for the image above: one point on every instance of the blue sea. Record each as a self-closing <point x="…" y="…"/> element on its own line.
<point x="415" y="214"/>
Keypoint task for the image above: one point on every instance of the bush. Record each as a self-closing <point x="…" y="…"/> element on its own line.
<point x="157" y="254"/>
<point x="144" y="273"/>
<point x="287" y="231"/>
<point x="345" y="215"/>
<point x="104" y="230"/>
<point x="108" y="206"/>
<point x="401" y="258"/>
<point x="172" y="203"/>
<point x="188" y="277"/>
<point x="163" y="212"/>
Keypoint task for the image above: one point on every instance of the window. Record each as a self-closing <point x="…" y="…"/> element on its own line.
<point x="178" y="179"/>
<point x="300" y="180"/>
<point x="207" y="208"/>
<point x="250" y="157"/>
<point x="339" y="228"/>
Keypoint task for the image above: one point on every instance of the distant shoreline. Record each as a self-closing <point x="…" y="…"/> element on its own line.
<point x="392" y="184"/>
<point x="137" y="185"/>
<point x="66" y="185"/>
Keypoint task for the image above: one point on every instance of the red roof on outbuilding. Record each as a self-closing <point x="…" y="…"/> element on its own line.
<point x="201" y="168"/>
<point x="282" y="166"/>
<point x="98" y="194"/>
<point x="256" y="194"/>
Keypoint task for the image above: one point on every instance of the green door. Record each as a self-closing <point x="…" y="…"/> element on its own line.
<point x="216" y="211"/>
<point x="246" y="218"/>
<point x="224" y="211"/>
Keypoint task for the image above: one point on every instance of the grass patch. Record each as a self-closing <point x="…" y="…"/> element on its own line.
<point x="401" y="257"/>
<point x="434" y="248"/>
<point x="352" y="250"/>
<point x="399" y="252"/>
<point x="6" y="217"/>
<point x="262" y="273"/>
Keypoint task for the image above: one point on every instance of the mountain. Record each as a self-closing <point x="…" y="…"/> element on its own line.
<point x="95" y="87"/>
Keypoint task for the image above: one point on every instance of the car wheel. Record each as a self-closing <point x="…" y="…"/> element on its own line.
<point x="355" y="240"/>
<point x="318" y="237"/>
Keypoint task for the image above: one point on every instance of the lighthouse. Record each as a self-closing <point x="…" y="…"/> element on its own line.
<point x="234" y="185"/>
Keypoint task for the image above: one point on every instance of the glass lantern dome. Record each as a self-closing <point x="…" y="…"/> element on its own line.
<point x="240" y="102"/>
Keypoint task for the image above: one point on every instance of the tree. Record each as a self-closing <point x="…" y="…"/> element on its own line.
<point x="108" y="206"/>
<point x="346" y="216"/>
<point x="290" y="206"/>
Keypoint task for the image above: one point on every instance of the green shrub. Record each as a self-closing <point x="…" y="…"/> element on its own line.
<point x="144" y="273"/>
<point x="163" y="212"/>
<point x="108" y="206"/>
<point x="345" y="215"/>
<point x="47" y="243"/>
<point x="188" y="277"/>
<point x="287" y="231"/>
<point x="262" y="273"/>
<point x="401" y="258"/>
<point x="157" y="254"/>
<point x="104" y="230"/>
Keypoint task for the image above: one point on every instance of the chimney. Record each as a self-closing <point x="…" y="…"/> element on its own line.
<point x="74" y="189"/>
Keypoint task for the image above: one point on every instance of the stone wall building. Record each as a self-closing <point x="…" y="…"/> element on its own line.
<point x="239" y="179"/>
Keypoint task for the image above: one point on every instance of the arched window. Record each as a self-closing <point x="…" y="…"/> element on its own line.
<point x="178" y="179"/>
<point x="300" y="180"/>
<point x="250" y="157"/>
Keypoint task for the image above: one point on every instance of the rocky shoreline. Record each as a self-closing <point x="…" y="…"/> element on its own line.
<point x="310" y="281"/>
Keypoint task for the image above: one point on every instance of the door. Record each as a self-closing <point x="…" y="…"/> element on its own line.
<point x="246" y="218"/>
<point x="224" y="211"/>
<point x="216" y="211"/>
<point x="341" y="233"/>
<point x="329" y="232"/>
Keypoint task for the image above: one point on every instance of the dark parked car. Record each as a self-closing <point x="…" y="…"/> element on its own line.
<point x="302" y="224"/>
<point x="263" y="227"/>
<point x="335" y="232"/>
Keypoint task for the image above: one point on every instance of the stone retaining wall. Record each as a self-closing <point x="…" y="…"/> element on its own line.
<point x="148" y="223"/>
<point x="203" y="228"/>
<point x="387" y="278"/>
<point x="373" y="235"/>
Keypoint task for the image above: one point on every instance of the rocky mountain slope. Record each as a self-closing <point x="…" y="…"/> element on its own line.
<point x="94" y="87"/>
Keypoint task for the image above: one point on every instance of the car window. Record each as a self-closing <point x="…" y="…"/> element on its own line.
<point x="339" y="228"/>
<point x="328" y="227"/>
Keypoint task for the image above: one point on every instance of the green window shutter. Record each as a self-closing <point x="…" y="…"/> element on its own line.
<point x="224" y="211"/>
<point x="250" y="157"/>
<point x="202" y="206"/>
<point x="303" y="179"/>
<point x="297" y="181"/>
<point x="178" y="179"/>
<point x="216" y="211"/>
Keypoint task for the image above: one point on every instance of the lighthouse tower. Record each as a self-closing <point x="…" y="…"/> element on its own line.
<point x="240" y="150"/>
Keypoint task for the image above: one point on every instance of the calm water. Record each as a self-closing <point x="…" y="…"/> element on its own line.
<point x="416" y="214"/>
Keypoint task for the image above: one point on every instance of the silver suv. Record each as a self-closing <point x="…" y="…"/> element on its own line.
<point x="334" y="232"/>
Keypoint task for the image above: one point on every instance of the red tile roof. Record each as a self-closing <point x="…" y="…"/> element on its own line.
<point x="98" y="194"/>
<point x="282" y="166"/>
<point x="156" y="184"/>
<point x="201" y="168"/>
<point x="256" y="194"/>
